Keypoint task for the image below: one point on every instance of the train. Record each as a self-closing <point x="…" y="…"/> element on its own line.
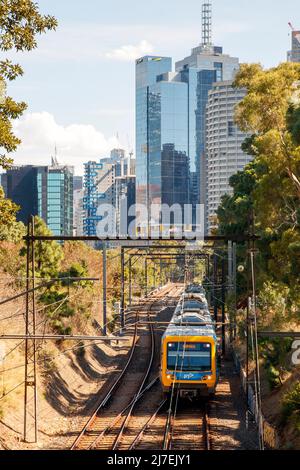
<point x="190" y="351"/>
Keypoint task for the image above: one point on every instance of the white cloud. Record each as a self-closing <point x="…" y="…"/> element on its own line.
<point x="130" y="53"/>
<point x="76" y="143"/>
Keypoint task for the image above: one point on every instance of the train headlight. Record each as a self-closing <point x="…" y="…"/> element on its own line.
<point x="169" y="376"/>
<point x="209" y="377"/>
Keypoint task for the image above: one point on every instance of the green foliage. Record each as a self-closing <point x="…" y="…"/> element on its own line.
<point x="291" y="406"/>
<point x="10" y="229"/>
<point x="266" y="194"/>
<point x="273" y="376"/>
<point x="76" y="270"/>
<point x="20" y="23"/>
<point x="235" y="212"/>
<point x="48" y="254"/>
<point x="276" y="355"/>
<point x="57" y="310"/>
<point x="270" y="111"/>
<point x="273" y="304"/>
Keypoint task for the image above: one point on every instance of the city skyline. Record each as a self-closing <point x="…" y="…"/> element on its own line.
<point x="83" y="121"/>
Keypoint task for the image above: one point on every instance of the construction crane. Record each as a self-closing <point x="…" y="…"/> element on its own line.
<point x="296" y="34"/>
<point x="291" y="26"/>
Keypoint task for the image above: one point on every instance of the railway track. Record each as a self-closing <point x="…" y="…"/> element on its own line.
<point x="184" y="427"/>
<point x="105" y="429"/>
<point x="187" y="428"/>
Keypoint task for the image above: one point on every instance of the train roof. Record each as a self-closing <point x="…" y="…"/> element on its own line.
<point x="180" y="330"/>
<point x="195" y="290"/>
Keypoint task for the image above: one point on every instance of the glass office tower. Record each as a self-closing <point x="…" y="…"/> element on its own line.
<point x="60" y="200"/>
<point x="161" y="123"/>
<point x="46" y="191"/>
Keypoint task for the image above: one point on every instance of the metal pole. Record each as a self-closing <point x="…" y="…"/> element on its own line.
<point x="207" y="266"/>
<point x="247" y="331"/>
<point x="256" y="345"/>
<point x="30" y="346"/>
<point x="122" y="288"/>
<point x="26" y="330"/>
<point x="230" y="288"/>
<point x="234" y="287"/>
<point x="215" y="281"/>
<point x="104" y="289"/>
<point x="223" y="309"/>
<point x="34" y="331"/>
<point x="146" y="277"/>
<point x="130" y="280"/>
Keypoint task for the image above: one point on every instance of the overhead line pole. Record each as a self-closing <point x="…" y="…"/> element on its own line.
<point x="104" y="289"/>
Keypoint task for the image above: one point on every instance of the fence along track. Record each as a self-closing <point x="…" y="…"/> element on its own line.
<point x="92" y="429"/>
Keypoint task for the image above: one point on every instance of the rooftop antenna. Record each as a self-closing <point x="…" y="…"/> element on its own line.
<point x="54" y="160"/>
<point x="206" y="24"/>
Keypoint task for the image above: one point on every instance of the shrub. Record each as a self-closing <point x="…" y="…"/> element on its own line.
<point x="273" y="376"/>
<point x="291" y="406"/>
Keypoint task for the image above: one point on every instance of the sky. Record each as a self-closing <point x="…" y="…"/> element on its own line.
<point x="79" y="82"/>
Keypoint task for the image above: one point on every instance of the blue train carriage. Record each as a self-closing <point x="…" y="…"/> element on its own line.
<point x="190" y="356"/>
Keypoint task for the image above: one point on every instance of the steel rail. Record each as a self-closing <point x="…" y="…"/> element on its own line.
<point x="121" y="432"/>
<point x="147" y="425"/>
<point x="170" y="423"/>
<point x="168" y="429"/>
<point x="114" y="387"/>
<point x="206" y="434"/>
<point x="109" y="393"/>
<point x="130" y="407"/>
<point x="118" y="418"/>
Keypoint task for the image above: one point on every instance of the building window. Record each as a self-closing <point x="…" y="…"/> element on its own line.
<point x="219" y="69"/>
<point x="231" y="129"/>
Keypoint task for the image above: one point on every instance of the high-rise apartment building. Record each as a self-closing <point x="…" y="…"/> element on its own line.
<point x="125" y="199"/>
<point x="224" y="154"/>
<point x="99" y="188"/>
<point x="109" y="181"/>
<point x="45" y="191"/>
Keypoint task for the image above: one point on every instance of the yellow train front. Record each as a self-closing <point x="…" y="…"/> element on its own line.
<point x="189" y="360"/>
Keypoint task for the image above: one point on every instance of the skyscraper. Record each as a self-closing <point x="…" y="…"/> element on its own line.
<point x="171" y="111"/>
<point x="99" y="188"/>
<point x="161" y="119"/>
<point x="206" y="64"/>
<point x="46" y="191"/>
<point x="224" y="155"/>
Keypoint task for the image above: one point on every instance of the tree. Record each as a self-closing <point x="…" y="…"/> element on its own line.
<point x="10" y="229"/>
<point x="271" y="111"/>
<point x="20" y="23"/>
<point x="267" y="191"/>
<point x="235" y="212"/>
<point x="48" y="254"/>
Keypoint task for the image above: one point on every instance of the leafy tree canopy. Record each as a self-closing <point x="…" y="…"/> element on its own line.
<point x="268" y="190"/>
<point x="271" y="111"/>
<point x="20" y="23"/>
<point x="48" y="254"/>
<point x="10" y="229"/>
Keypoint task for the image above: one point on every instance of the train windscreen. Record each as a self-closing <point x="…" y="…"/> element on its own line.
<point x="184" y="357"/>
